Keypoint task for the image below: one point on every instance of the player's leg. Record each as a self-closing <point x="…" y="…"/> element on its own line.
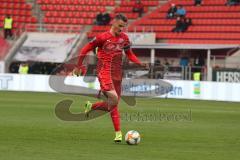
<point x="116" y="123"/>
<point x="115" y="114"/>
<point x="112" y="99"/>
<point x="109" y="103"/>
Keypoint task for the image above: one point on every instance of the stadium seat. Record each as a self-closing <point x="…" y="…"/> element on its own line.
<point x="81" y="12"/>
<point x="213" y="21"/>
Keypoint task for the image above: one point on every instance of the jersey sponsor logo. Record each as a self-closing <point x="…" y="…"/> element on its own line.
<point x="120" y="40"/>
<point x="110" y="46"/>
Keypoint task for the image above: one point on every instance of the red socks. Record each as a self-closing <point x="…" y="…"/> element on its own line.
<point x="115" y="118"/>
<point x="114" y="113"/>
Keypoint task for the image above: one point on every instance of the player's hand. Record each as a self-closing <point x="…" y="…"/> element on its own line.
<point x="79" y="71"/>
<point x="76" y="72"/>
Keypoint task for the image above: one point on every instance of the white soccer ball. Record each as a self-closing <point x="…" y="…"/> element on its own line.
<point x="132" y="137"/>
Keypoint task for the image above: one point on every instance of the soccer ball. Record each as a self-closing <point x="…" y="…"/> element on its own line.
<point x="132" y="137"/>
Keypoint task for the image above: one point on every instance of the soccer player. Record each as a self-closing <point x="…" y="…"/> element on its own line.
<point x="111" y="45"/>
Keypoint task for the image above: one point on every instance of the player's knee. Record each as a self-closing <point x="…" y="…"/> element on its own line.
<point x="113" y="109"/>
<point x="113" y="100"/>
<point x="115" y="103"/>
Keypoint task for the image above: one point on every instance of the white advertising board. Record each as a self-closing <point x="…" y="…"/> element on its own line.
<point x="219" y="91"/>
<point x="142" y="38"/>
<point x="2" y="66"/>
<point x="46" y="47"/>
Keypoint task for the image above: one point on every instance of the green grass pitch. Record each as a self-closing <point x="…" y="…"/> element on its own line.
<point x="29" y="130"/>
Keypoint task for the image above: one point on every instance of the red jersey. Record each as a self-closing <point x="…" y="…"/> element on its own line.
<point x="110" y="52"/>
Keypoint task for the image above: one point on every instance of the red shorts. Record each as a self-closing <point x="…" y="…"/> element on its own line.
<point x="108" y="85"/>
<point x="108" y="81"/>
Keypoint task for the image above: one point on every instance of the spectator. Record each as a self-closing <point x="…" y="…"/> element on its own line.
<point x="184" y="61"/>
<point x="8" y="26"/>
<point x="158" y="69"/>
<point x="106" y="19"/>
<point x="199" y="61"/>
<point x="14" y="67"/>
<point x="197" y="2"/>
<point x="99" y="19"/>
<point x="197" y="69"/>
<point x="138" y="8"/>
<point x="179" y="25"/>
<point x="186" y="23"/>
<point x="157" y="62"/>
<point x="172" y="11"/>
<point x="23" y="68"/>
<point x="181" y="11"/>
<point x="232" y="2"/>
<point x="166" y="65"/>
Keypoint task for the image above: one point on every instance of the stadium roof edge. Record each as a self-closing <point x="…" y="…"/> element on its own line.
<point x="185" y="46"/>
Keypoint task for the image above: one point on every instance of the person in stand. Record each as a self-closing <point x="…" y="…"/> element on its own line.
<point x="197" y="2"/>
<point x="106" y="19"/>
<point x="186" y="23"/>
<point x="181" y="11"/>
<point x="232" y="2"/>
<point x="138" y="8"/>
<point x="23" y="68"/>
<point x="179" y="25"/>
<point x="172" y="11"/>
<point x="99" y="19"/>
<point x="8" y="26"/>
